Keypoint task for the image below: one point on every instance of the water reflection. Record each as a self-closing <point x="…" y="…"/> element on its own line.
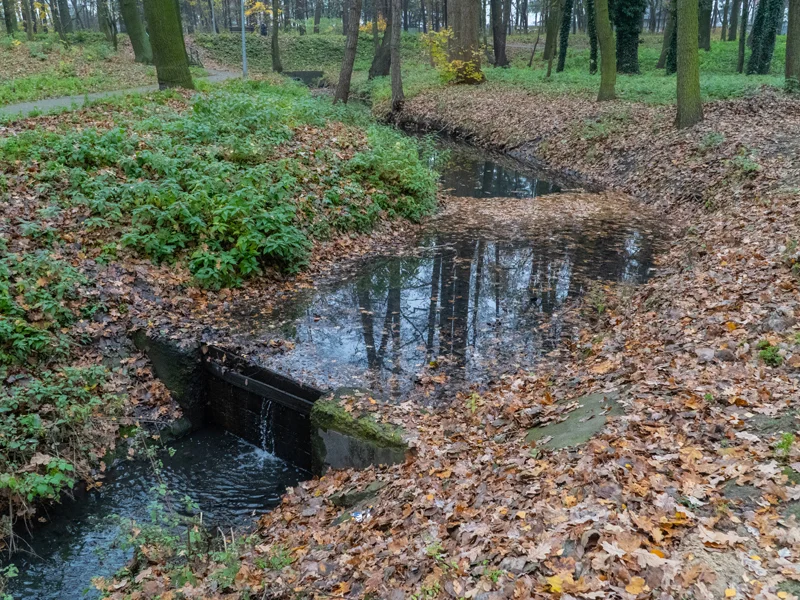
<point x="474" y="300"/>
<point x="468" y="173"/>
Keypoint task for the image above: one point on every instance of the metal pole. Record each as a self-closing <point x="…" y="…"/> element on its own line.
<point x="244" y="46"/>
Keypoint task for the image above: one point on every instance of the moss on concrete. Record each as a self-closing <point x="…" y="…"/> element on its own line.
<point x="340" y="440"/>
<point x="329" y="414"/>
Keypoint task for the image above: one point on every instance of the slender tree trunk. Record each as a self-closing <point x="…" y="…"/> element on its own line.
<point x="733" y="21"/>
<point x="166" y="39"/>
<point x="76" y="8"/>
<point x="704" y="24"/>
<point x="342" y="93"/>
<point x="424" y="17"/>
<point x="346" y="16"/>
<point x="724" y="35"/>
<point x="135" y="28"/>
<point x="792" y="71"/>
<point x="274" y="46"/>
<point x="743" y="35"/>
<point x="28" y="14"/>
<point x="55" y="16"/>
<point x="213" y="17"/>
<point x="498" y="33"/>
<point x="317" y="15"/>
<point x="564" y="37"/>
<point x="551" y="28"/>
<point x="9" y="16"/>
<point x="669" y="30"/>
<point x="104" y="19"/>
<point x="397" y="81"/>
<point x="65" y="17"/>
<point x="287" y="15"/>
<point x="690" y="107"/>
<point x="381" y="62"/>
<point x="608" y="57"/>
<point x="591" y="29"/>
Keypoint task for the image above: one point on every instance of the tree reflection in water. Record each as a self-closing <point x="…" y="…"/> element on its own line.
<point x="471" y="303"/>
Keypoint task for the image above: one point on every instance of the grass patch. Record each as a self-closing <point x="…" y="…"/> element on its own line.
<point x="718" y="77"/>
<point x="46" y="67"/>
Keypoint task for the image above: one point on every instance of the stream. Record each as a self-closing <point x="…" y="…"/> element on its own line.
<point x="231" y="480"/>
<point x="477" y="294"/>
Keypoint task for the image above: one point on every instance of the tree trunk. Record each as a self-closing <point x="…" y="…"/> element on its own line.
<point x="343" y="85"/>
<point x="214" y="28"/>
<point x="743" y="35"/>
<point x="76" y="8"/>
<point x="346" y="16"/>
<point x="424" y="17"/>
<point x="381" y="62"/>
<point x="317" y="15"/>
<point x="135" y="28"/>
<point x="166" y="39"/>
<point x="608" y="58"/>
<point x="628" y="16"/>
<point x="274" y="47"/>
<point x="28" y="14"/>
<point x="287" y="15"/>
<point x="704" y="24"/>
<point x="769" y="16"/>
<point x="792" y="71"/>
<point x="64" y="16"/>
<point x="669" y="31"/>
<point x="104" y="20"/>
<point x="397" y="81"/>
<point x="464" y="45"/>
<point x="591" y="27"/>
<point x="10" y="16"/>
<point x="672" y="54"/>
<point x="724" y="35"/>
<point x="55" y="17"/>
<point x="551" y="28"/>
<point x="690" y="107"/>
<point x="498" y="33"/>
<point x="564" y="38"/>
<point x="733" y="20"/>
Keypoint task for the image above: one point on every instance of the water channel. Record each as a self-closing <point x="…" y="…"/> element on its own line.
<point x="478" y="293"/>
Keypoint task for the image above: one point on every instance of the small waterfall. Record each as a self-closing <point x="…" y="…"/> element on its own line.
<point x="266" y="435"/>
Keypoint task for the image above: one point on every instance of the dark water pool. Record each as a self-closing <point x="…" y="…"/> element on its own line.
<point x="474" y="173"/>
<point x="478" y="294"/>
<point x="231" y="481"/>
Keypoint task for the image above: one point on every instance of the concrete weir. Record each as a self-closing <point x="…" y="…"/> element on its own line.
<point x="298" y="423"/>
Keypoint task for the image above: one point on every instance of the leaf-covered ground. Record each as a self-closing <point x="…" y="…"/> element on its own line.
<point x="691" y="492"/>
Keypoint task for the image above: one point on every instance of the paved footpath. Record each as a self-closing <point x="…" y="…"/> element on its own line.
<point x="44" y="106"/>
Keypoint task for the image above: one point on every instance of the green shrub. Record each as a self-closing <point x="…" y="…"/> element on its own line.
<point x="38" y="297"/>
<point x="40" y="414"/>
<point x="217" y="187"/>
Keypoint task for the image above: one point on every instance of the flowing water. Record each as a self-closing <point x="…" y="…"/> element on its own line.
<point x="229" y="479"/>
<point x="478" y="293"/>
